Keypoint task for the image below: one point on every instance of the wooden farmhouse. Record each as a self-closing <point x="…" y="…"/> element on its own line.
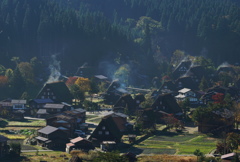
<point x="56" y="91"/>
<point x="181" y="69"/>
<point x="107" y="130"/>
<point x="52" y="137"/>
<point x="79" y="143"/>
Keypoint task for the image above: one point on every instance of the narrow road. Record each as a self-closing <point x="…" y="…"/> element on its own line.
<point x="36" y="150"/>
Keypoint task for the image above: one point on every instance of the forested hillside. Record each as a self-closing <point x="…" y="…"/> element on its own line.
<point x="141" y="33"/>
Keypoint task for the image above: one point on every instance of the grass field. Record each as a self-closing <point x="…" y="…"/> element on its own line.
<point x="89" y="117"/>
<point x="179" y="144"/>
<point x="27" y="122"/>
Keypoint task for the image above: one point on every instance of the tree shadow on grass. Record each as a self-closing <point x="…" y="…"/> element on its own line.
<point x="133" y="149"/>
<point x="3" y="123"/>
<point x="22" y="120"/>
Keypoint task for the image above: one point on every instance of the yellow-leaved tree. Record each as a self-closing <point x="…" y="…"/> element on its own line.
<point x="84" y="84"/>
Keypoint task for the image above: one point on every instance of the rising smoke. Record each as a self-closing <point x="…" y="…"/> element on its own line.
<point x="55" y="69"/>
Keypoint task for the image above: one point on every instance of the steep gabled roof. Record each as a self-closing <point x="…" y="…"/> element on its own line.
<point x="185" y="63"/>
<point x="186" y="82"/>
<point x="48" y="130"/>
<point x="125" y="100"/>
<point x="60" y="90"/>
<point x="169" y="102"/>
<point x="112" y="127"/>
<point x="169" y="84"/>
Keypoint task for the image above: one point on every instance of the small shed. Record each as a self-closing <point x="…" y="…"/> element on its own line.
<point x="132" y="138"/>
<point x="108" y="145"/>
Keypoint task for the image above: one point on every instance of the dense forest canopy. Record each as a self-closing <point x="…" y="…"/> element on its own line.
<point x="107" y="34"/>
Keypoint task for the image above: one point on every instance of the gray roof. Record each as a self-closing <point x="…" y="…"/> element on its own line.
<point x="19" y="101"/>
<point x="79" y="110"/>
<point x="42" y="111"/>
<point x="48" y="130"/>
<point x="100" y="77"/>
<point x="39" y="101"/>
<point x="53" y="106"/>
<point x="114" y="113"/>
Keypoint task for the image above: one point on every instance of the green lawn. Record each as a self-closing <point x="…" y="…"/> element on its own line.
<point x="176" y="144"/>
<point x="95" y="120"/>
<point x="88" y="117"/>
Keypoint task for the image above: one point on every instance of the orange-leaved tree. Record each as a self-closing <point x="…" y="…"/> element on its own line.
<point x="84" y="84"/>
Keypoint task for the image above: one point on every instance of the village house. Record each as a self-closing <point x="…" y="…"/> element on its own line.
<point x="56" y="91"/>
<point x="208" y="96"/>
<point x="167" y="103"/>
<point x="52" y="108"/>
<point x="39" y="103"/>
<point x="227" y="68"/>
<point x="79" y="143"/>
<point x="114" y="92"/>
<point x="168" y="86"/>
<point x="107" y="130"/>
<point x="4" y="148"/>
<point x="19" y="104"/>
<point x="186" y="82"/>
<point x="63" y="122"/>
<point x="181" y="69"/>
<point x="129" y="104"/>
<point x="197" y="72"/>
<point x="79" y="114"/>
<point x="192" y="96"/>
<point x="68" y="121"/>
<point x="146" y="119"/>
<point x="52" y="137"/>
<point x="120" y="120"/>
<point x="221" y="120"/>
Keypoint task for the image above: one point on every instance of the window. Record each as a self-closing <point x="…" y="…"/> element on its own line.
<point x="100" y="132"/>
<point x="103" y="128"/>
<point x="107" y="133"/>
<point x="54" y="97"/>
<point x="42" y="97"/>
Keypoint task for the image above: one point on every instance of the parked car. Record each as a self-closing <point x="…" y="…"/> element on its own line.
<point x="79" y="133"/>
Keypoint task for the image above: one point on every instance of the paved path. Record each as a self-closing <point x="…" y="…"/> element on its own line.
<point x="31" y="118"/>
<point x="36" y="150"/>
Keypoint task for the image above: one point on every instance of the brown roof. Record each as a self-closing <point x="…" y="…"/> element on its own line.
<point x="75" y="140"/>
<point x="70" y="144"/>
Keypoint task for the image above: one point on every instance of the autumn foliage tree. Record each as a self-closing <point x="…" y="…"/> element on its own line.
<point x="218" y="98"/>
<point x="83" y="84"/>
<point x="71" y="81"/>
<point x="3" y="81"/>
